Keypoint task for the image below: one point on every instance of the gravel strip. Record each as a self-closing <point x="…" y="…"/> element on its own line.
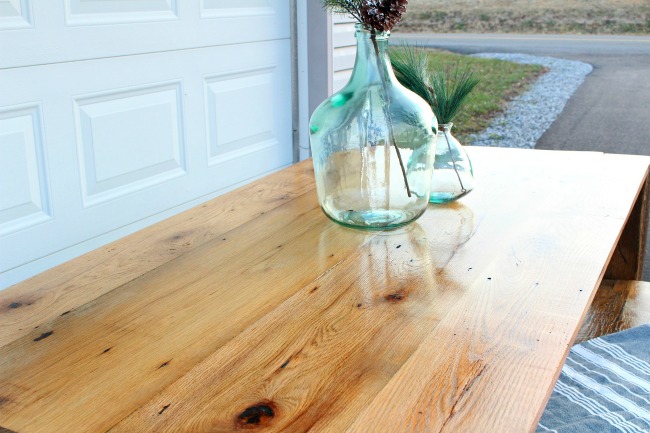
<point x="531" y="113"/>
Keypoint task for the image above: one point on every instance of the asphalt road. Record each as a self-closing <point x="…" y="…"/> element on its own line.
<point x="610" y="112"/>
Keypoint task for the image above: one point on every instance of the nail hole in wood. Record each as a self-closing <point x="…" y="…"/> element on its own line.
<point x="44" y="336"/>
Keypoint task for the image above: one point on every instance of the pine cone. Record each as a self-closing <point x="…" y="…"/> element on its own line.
<point x="382" y="15"/>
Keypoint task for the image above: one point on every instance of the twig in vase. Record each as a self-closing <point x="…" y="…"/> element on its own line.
<point x="391" y="134"/>
<point x="453" y="160"/>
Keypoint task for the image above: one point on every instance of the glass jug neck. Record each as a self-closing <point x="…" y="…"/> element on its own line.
<point x="445" y="127"/>
<point x="372" y="60"/>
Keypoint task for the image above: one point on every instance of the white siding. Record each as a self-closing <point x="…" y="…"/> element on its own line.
<point x="344" y="47"/>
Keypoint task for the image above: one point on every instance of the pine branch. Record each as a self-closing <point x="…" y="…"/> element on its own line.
<point x="411" y="67"/>
<point x="452" y="87"/>
<point x="351" y="7"/>
<point x="446" y="90"/>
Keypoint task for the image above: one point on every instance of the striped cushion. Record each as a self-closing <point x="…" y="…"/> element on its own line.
<point x="604" y="386"/>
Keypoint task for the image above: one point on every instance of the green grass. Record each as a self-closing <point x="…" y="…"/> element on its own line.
<point x="526" y="16"/>
<point x="500" y="82"/>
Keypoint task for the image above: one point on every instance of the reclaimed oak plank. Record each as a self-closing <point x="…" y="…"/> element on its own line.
<point x="74" y="283"/>
<point x="318" y="356"/>
<point x="507" y="337"/>
<point x="78" y="372"/>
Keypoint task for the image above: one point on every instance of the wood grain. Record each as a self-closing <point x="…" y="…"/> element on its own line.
<point x="507" y="336"/>
<point x="627" y="261"/>
<point x="617" y="306"/>
<point x="169" y="317"/>
<point x="75" y="283"/>
<point x="316" y="359"/>
<point x="195" y="407"/>
<point x="287" y="322"/>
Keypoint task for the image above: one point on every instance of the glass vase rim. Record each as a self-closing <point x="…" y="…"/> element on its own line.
<point x="445" y="127"/>
<point x="363" y="30"/>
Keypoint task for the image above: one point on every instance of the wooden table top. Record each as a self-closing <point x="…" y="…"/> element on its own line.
<point x="254" y="312"/>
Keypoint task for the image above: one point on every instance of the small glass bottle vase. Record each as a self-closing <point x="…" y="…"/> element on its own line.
<point x="453" y="176"/>
<point x="373" y="145"/>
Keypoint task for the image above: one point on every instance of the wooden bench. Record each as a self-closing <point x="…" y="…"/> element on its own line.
<point x="618" y="305"/>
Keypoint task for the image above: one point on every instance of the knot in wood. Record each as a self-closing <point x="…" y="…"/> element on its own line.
<point x="395" y="297"/>
<point x="259" y="414"/>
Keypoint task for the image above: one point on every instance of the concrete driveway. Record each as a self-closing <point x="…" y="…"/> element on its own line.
<point x="610" y="112"/>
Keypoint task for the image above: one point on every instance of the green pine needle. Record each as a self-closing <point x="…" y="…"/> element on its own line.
<point x="411" y="67"/>
<point x="446" y="90"/>
<point x="452" y="87"/>
<point x="352" y="7"/>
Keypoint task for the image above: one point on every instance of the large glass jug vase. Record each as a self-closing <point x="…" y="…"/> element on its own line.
<point x="373" y="145"/>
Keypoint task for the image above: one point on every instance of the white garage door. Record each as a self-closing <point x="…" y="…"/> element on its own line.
<point x="114" y="114"/>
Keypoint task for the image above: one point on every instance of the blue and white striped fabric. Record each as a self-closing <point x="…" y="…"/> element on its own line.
<point x="604" y="387"/>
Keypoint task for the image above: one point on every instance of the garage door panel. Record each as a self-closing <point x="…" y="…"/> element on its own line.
<point x="237" y="129"/>
<point x="88" y="12"/>
<point x="24" y="201"/>
<point x="248" y="136"/>
<point x="15" y="14"/>
<point x="128" y="138"/>
<point x="227" y="8"/>
<point x="98" y="28"/>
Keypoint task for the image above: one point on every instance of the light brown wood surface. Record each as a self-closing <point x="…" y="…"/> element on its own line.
<point x="271" y="318"/>
<point x="77" y="282"/>
<point x="617" y="306"/>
